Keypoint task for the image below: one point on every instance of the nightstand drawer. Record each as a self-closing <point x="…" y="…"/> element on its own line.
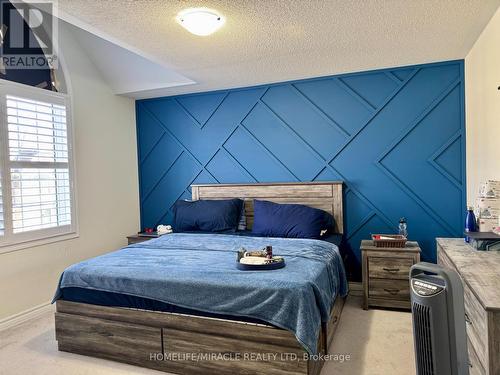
<point x="389" y="289"/>
<point x="386" y="274"/>
<point x="389" y="268"/>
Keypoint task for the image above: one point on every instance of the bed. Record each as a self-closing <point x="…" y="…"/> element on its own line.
<point x="210" y="318"/>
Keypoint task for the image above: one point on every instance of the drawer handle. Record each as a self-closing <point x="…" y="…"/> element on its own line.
<point x="392" y="291"/>
<point x="467" y="319"/>
<point x="392" y="270"/>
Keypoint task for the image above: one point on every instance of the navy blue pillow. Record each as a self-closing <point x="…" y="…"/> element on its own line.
<point x="289" y="220"/>
<point x="207" y="215"/>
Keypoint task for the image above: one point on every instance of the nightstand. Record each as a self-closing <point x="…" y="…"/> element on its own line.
<point x="135" y="238"/>
<point x="386" y="274"/>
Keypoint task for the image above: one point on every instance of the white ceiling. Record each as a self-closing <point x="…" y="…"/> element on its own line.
<point x="126" y="72"/>
<point x="266" y="41"/>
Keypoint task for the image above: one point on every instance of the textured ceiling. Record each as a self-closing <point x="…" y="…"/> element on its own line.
<point x="276" y="40"/>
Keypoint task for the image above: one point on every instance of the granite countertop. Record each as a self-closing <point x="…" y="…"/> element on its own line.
<point x="479" y="269"/>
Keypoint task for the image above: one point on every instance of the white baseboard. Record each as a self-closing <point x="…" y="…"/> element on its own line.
<point x="355" y="288"/>
<point x="23" y="316"/>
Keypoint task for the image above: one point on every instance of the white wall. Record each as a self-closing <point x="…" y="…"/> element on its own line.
<point x="107" y="187"/>
<point x="482" y="79"/>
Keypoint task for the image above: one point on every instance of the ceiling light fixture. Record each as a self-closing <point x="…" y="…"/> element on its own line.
<point x="200" y="21"/>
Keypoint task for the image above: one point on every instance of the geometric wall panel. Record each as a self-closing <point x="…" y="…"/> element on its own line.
<point x="395" y="137"/>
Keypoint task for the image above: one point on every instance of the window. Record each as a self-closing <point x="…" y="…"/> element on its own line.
<point x="36" y="169"/>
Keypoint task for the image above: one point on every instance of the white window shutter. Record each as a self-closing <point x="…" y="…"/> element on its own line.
<point x="39" y="172"/>
<point x="36" y="197"/>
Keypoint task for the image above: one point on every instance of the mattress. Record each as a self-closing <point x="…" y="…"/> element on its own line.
<point x="103" y="298"/>
<point x="335" y="239"/>
<point x="196" y="274"/>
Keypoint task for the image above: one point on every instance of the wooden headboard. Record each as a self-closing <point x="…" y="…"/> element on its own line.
<point x="323" y="195"/>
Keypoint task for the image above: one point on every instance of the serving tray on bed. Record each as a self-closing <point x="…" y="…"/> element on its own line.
<point x="278" y="263"/>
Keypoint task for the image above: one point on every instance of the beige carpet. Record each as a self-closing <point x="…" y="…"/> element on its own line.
<point x="377" y="341"/>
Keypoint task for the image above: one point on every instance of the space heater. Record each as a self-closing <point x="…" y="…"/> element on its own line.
<point x="437" y="305"/>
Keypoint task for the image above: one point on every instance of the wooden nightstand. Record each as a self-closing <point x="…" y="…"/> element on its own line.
<point x="386" y="274"/>
<point x="135" y="238"/>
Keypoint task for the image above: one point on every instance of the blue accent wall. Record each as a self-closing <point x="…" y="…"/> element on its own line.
<point x="396" y="137"/>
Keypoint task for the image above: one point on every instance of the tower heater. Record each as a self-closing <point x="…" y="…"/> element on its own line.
<point x="437" y="305"/>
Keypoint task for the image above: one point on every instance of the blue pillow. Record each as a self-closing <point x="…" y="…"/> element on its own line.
<point x="289" y="220"/>
<point x="207" y="215"/>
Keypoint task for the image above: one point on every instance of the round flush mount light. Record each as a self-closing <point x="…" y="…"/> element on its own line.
<point x="200" y="21"/>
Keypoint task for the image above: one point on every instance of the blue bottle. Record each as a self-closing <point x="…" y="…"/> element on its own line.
<point x="470" y="222"/>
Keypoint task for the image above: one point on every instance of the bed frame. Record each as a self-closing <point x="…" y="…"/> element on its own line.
<point x="187" y="344"/>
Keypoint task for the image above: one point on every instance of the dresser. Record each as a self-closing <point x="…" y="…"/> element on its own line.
<point x="480" y="274"/>
<point x="386" y="274"/>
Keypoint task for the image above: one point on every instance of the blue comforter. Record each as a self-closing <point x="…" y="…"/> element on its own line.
<point x="198" y="271"/>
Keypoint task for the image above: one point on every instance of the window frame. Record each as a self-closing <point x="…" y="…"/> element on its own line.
<point x="10" y="241"/>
